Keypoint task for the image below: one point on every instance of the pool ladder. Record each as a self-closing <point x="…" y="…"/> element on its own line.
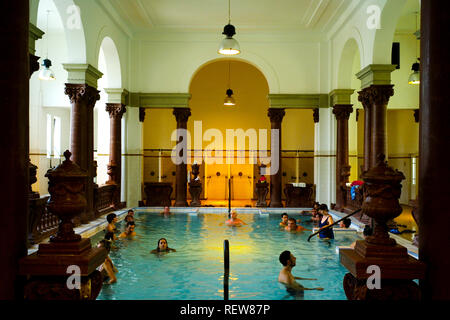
<point x="226" y="265"/>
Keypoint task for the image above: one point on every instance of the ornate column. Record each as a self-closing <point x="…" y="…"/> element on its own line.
<point x="374" y="96"/>
<point x="182" y="115"/>
<point x="276" y="116"/>
<point x="341" y="109"/>
<point x="434" y="173"/>
<point x="34" y="34"/>
<point x="82" y="92"/>
<point x="116" y="111"/>
<point x="14" y="145"/>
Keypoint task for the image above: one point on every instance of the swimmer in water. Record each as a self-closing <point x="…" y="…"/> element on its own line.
<point x="163" y="246"/>
<point x="166" y="212"/>
<point x="234" y="220"/>
<point x="284" y="220"/>
<point x="293" y="227"/>
<point x="129" y="231"/>
<point x="285" y="277"/>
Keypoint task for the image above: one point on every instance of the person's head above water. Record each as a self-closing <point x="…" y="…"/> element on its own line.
<point x="166" y="210"/>
<point x="130" y="212"/>
<point x="233" y="214"/>
<point x="110" y="217"/>
<point x="284" y="217"/>
<point x="130" y="226"/>
<point x="287" y="259"/>
<point x="345" y="223"/>
<point x="292" y="224"/>
<point x="162" y="245"/>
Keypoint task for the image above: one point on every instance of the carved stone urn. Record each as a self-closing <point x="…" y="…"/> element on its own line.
<point x="67" y="197"/>
<point x="382" y="189"/>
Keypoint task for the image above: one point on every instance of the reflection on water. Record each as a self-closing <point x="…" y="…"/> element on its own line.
<point x="196" y="270"/>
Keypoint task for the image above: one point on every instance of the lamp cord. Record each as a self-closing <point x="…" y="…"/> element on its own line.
<point x="229" y="11"/>
<point x="46" y="56"/>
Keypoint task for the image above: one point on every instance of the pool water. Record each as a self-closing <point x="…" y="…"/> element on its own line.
<point x="195" y="271"/>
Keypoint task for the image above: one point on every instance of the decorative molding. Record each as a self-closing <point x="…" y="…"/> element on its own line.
<point x="342" y="111"/>
<point x="116" y="110"/>
<point x="341" y="96"/>
<point x="298" y="101"/>
<point x="82" y="74"/>
<point x="182" y="114"/>
<point x="159" y="100"/>
<point x="316" y="115"/>
<point x="375" y="74"/>
<point x="375" y="94"/>
<point x="117" y="95"/>
<point x="77" y="92"/>
<point x="276" y="115"/>
<point x="34" y="34"/>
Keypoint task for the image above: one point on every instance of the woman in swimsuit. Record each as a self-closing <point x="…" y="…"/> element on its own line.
<point x="325" y="221"/>
<point x="111" y="228"/>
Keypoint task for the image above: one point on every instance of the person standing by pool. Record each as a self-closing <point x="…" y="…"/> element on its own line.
<point x="163" y="246"/>
<point x="234" y="220"/>
<point x="107" y="268"/>
<point x="284" y="220"/>
<point x="292" y="226"/>
<point x="288" y="260"/>
<point x="111" y="227"/>
<point x="129" y="231"/>
<point x="325" y="221"/>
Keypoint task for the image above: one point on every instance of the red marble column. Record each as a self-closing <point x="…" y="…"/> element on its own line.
<point x="276" y="116"/>
<point x="376" y="97"/>
<point x="434" y="151"/>
<point x="116" y="111"/>
<point x="182" y="115"/>
<point x="14" y="145"/>
<point x="83" y="98"/>
<point x="367" y="126"/>
<point x="342" y="113"/>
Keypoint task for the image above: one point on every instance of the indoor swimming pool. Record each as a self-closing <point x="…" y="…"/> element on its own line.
<point x="195" y="271"/>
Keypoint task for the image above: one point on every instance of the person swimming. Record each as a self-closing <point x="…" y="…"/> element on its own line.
<point x="163" y="246"/>
<point x="284" y="220"/>
<point x="234" y="220"/>
<point x="130" y="216"/>
<point x="288" y="260"/>
<point x="129" y="231"/>
<point x="293" y="227"/>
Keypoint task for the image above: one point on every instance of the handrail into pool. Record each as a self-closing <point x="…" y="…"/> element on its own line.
<point x="329" y="226"/>
<point x="226" y="264"/>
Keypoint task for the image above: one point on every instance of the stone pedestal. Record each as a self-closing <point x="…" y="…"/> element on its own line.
<point x="262" y="189"/>
<point x="195" y="189"/>
<point x="396" y="268"/>
<point x="66" y="254"/>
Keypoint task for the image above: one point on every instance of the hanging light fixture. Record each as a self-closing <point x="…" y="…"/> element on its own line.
<point x="229" y="100"/>
<point x="46" y="73"/>
<point x="229" y="46"/>
<point x="414" y="77"/>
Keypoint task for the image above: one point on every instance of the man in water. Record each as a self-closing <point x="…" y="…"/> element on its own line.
<point x="234" y="220"/>
<point x="345" y="224"/>
<point x="130" y="216"/>
<point x="288" y="261"/>
<point x="129" y="231"/>
<point x="284" y="220"/>
<point x="292" y="226"/>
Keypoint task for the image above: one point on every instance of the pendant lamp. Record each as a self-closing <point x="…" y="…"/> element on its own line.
<point x="46" y="73"/>
<point x="229" y="46"/>
<point x="229" y="100"/>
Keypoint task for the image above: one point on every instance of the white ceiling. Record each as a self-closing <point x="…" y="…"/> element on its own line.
<point x="246" y="15"/>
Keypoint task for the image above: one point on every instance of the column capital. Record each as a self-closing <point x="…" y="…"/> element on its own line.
<point x="375" y="74"/>
<point x="82" y="74"/>
<point x="275" y="114"/>
<point x="117" y="95"/>
<point x="182" y="114"/>
<point x="79" y="92"/>
<point x="340" y="96"/>
<point x="342" y="111"/>
<point x="378" y="94"/>
<point x="34" y="34"/>
<point x="116" y="110"/>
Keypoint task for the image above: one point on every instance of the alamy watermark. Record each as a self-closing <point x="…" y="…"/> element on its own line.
<point x="235" y="140"/>
<point x="374" y="281"/>
<point x="374" y="19"/>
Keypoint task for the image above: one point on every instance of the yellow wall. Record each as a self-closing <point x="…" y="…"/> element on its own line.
<point x="250" y="89"/>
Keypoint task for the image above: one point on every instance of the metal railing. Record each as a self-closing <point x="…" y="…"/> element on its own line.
<point x="226" y="265"/>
